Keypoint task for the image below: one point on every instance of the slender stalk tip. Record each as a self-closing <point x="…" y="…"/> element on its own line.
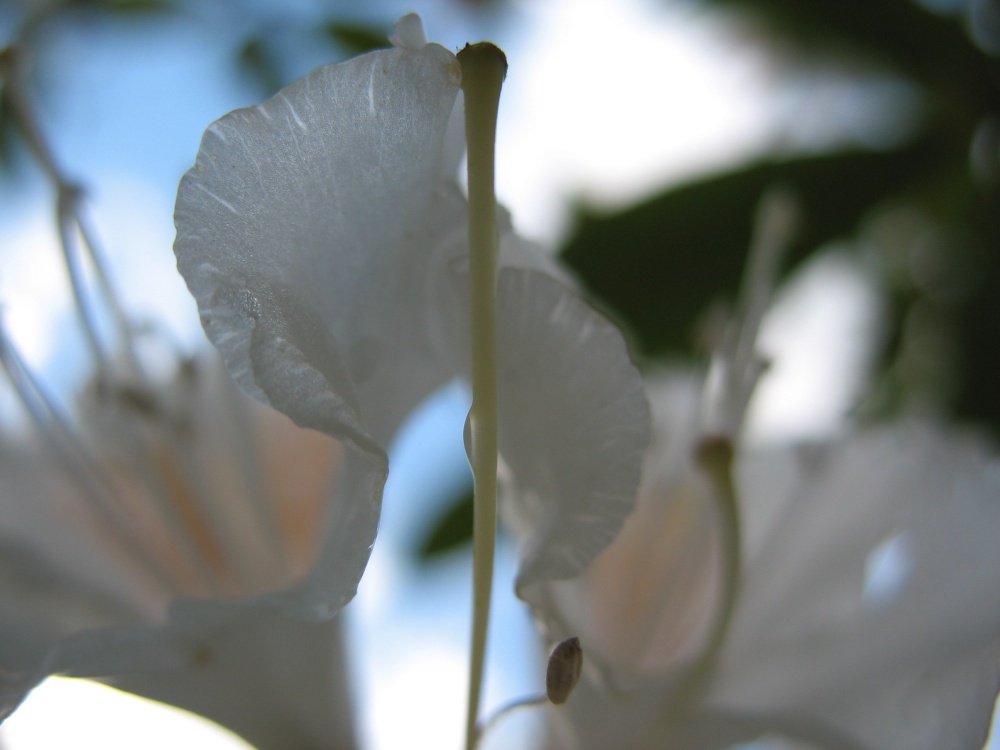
<point x="483" y="59"/>
<point x="483" y="70"/>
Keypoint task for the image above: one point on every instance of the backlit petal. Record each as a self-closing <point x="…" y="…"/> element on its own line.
<point x="574" y="423"/>
<point x="320" y="200"/>
<point x="871" y="601"/>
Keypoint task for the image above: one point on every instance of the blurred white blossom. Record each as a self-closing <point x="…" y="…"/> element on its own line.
<point x="122" y="532"/>
<point x="143" y="527"/>
<point x="867" y="615"/>
<point x="849" y="604"/>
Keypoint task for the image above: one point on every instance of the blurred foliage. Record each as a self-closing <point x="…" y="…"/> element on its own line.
<point x="258" y="62"/>
<point x="658" y="265"/>
<point x="899" y="35"/>
<point x="355" y="38"/>
<point x="8" y="130"/>
<point x="262" y="55"/>
<point x="450" y="530"/>
<point x="126" y="6"/>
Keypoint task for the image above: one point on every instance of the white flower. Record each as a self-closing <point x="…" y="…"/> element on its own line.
<point x="868" y="617"/>
<point x="123" y="536"/>
<point x="323" y="236"/>
<point x="186" y="544"/>
<point x="839" y="596"/>
<point x="869" y="605"/>
<point x="142" y="535"/>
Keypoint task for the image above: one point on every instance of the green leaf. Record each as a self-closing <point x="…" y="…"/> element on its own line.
<point x="259" y="63"/>
<point x="8" y="132"/>
<point x="130" y="6"/>
<point x="451" y="530"/>
<point x="978" y="322"/>
<point x="659" y="265"/>
<point x="896" y="33"/>
<point x="357" y="38"/>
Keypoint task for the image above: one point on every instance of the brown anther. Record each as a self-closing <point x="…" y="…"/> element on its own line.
<point x="714" y="451"/>
<point x="564" y="670"/>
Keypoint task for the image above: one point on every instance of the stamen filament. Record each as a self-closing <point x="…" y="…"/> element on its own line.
<point x="737" y="365"/>
<point x="483" y="69"/>
<point x="64" y="220"/>
<point x="95" y="486"/>
<point x="254" y="484"/>
<point x="71" y="222"/>
<point x="9" y="63"/>
<point x="126" y="331"/>
<point x="165" y="463"/>
<point x="774" y="229"/>
<point x="92" y="290"/>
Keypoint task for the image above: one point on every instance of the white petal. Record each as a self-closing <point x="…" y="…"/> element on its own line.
<point x="309" y="231"/>
<point x="409" y="32"/>
<point x="39" y="605"/>
<point x="914" y="670"/>
<point x="316" y="205"/>
<point x="574" y="423"/>
<point x="49" y="532"/>
<point x="277" y="682"/>
<point x="328" y="256"/>
<point x="56" y="576"/>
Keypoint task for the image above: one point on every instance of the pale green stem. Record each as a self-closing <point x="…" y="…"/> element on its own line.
<point x="483" y="70"/>
<point x="714" y="456"/>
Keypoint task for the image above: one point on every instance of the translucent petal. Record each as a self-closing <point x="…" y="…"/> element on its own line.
<point x="39" y="605"/>
<point x="644" y="604"/>
<point x="868" y="616"/>
<point x="56" y="576"/>
<point x="325" y="243"/>
<point x="278" y="682"/>
<point x="409" y="32"/>
<point x="316" y="206"/>
<point x="914" y="670"/>
<point x="309" y="231"/>
<point x="574" y="423"/>
<point x="74" y="598"/>
<point x="47" y="534"/>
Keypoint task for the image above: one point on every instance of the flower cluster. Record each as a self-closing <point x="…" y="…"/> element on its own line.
<point x="191" y="544"/>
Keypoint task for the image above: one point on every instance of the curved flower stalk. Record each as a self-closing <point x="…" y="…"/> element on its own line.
<point x="864" y="614"/>
<point x="324" y="238"/>
<point x="142" y="530"/>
